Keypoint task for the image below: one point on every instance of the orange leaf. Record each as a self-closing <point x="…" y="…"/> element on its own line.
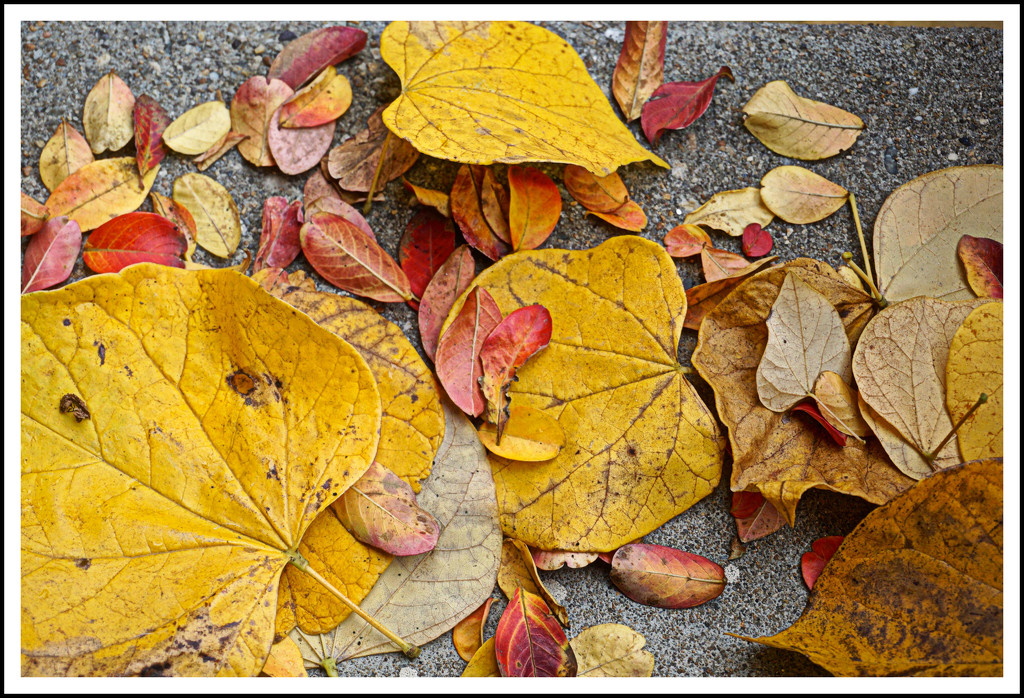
<point x="279" y="241"/>
<point x="150" y="122"/>
<point x="656" y="575"/>
<point x="320" y="102"/>
<point x="285" y="659"/>
<point x="720" y="264"/>
<point x="134" y="238"/>
<point x="451" y="279"/>
<point x="529" y="435"/>
<point x="983" y="261"/>
<point x="320" y="196"/>
<point x="629" y="216"/>
<point x="429" y="240"/>
<point x="179" y="215"/>
<point x="755" y="516"/>
<point x="468" y="633"/>
<point x="641" y="66"/>
<point x="51" y="254"/>
<point x="467" y="210"/>
<point x="458" y="351"/>
<point x="676" y="105"/>
<point x="530" y="642"/>
<point x="33" y="215"/>
<point x="252" y="108"/>
<point x="438" y="200"/>
<point x="99" y="191"/>
<point x="307" y="55"/>
<point x="702" y="299"/>
<point x="534" y="207"/>
<point x="686" y="240"/>
<point x="296" y="150"/>
<point x="494" y="202"/>
<point x="595" y="193"/>
<point x="812" y="563"/>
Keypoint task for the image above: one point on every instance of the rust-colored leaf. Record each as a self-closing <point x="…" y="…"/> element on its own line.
<point x="530" y="642"/>
<point x="318" y="103"/>
<point x="150" y="122"/>
<point x="134" y="238"/>
<point x="534" y="207"/>
<point x="449" y="282"/>
<point x="320" y="196"/>
<point x="179" y="215"/>
<point x="107" y="116"/>
<point x="494" y="203"/>
<point x="518" y="571"/>
<point x="279" y="240"/>
<point x="437" y="200"/>
<point x="101" y="190"/>
<point x="595" y="193"/>
<point x="354" y="163"/>
<point x="65" y="152"/>
<point x="676" y="105"/>
<point x="468" y="633"/>
<point x="812" y="563"/>
<point x="458" y="351"/>
<point x="307" y="55"/>
<point x="686" y="241"/>
<point x="429" y="240"/>
<point x="629" y="216"/>
<point x="467" y="210"/>
<point x="755" y="516"/>
<point x="218" y="150"/>
<point x="51" y="254"/>
<point x="33" y="215"/>
<point x="757" y="242"/>
<point x="656" y="575"/>
<point x="252" y="108"/>
<point x="296" y="150"/>
<point x="983" y="262"/>
<point x="528" y="435"/>
<point x="810" y="409"/>
<point x="702" y="299"/>
<point x="720" y="264"/>
<point x="641" y="66"/>
<point x="557" y="559"/>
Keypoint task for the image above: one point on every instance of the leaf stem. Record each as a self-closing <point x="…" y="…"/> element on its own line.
<point x="376" y="174"/>
<point x="822" y="406"/>
<point x="872" y="289"/>
<point x="930" y="457"/>
<point x="860" y="234"/>
<point x="329" y="666"/>
<point x="410" y="651"/>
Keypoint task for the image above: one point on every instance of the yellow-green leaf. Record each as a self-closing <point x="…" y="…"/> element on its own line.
<point x="99" y="191"/>
<point x="975" y="366"/>
<point x="218" y="228"/>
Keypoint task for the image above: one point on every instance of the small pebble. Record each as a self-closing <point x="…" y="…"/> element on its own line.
<point x="61" y="62"/>
<point x="732" y="573"/>
<point x="918" y="118"/>
<point x="889" y="160"/>
<point x="952" y="157"/>
<point x="286" y="35"/>
<point x="42" y="83"/>
<point x="408" y="671"/>
<point x="26" y="171"/>
<point x="235" y="43"/>
<point x="30" y="47"/>
<point x="964" y="140"/>
<point x="201" y="35"/>
<point x="214" y="77"/>
<point x="40" y="144"/>
<point x="259" y="49"/>
<point x="913" y="91"/>
<point x="47" y="35"/>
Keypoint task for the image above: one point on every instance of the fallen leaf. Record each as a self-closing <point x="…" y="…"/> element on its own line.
<point x="198" y="129"/>
<point x="703" y="298"/>
<point x="51" y="254"/>
<point x="812" y="563"/>
<point x="656" y="575"/>
<point x="755" y="516"/>
<point x="611" y="649"/>
<point x="797" y="127"/>
<point x="518" y="571"/>
<point x="919" y="226"/>
<point x="641" y="446"/>
<point x="99" y="191"/>
<point x="557" y="559"/>
<point x="284" y="659"/>
<point x="33" y="215"/>
<point x="484" y="662"/>
<point x="522" y="95"/>
<point x="629" y="216"/>
<point x="732" y="211"/>
<point x="721" y="264"/>
<point x="304" y="57"/>
<point x="218" y="150"/>
<point x="429" y="240"/>
<point x="65" y="153"/>
<point x="179" y="215"/>
<point x="757" y="242"/>
<point x="279" y="239"/>
<point x="450" y="281"/>
<point x="320" y="102"/>
<point x="468" y="633"/>
<point x="218" y="227"/>
<point x="467" y="210"/>
<point x="530" y="642"/>
<point x="983" y="264"/>
<point x="917" y="588"/>
<point x="797" y="195"/>
<point x="810" y="408"/>
<point x="351" y="260"/>
<point x="494" y="203"/>
<point x="355" y="162"/>
<point x="134" y="238"/>
<point x="772" y="453"/>
<point x="850" y="277"/>
<point x="900" y="367"/>
<point x="641" y="66"/>
<point x="837" y="402"/>
<point x="320" y="196"/>
<point x="534" y="207"/>
<point x="458" y="351"/>
<point x="975" y="366"/>
<point x="686" y="241"/>
<point x="207" y="460"/>
<point x="528" y="435"/>
<point x="805" y="337"/>
<point x="252" y="108"/>
<point x="433" y="198"/>
<point x="107" y="117"/>
<point x="150" y="121"/>
<point x="737" y="549"/>
<point x="604" y="194"/>
<point x="676" y="105"/>
<point x="296" y="150"/>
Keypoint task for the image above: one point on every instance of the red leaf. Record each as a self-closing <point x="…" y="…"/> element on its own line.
<point x="450" y="281"/>
<point x="529" y="641"/>
<point x="811" y="410"/>
<point x="656" y="575"/>
<point x="179" y="215"/>
<point x="983" y="261"/>
<point x="755" y="516"/>
<point x="676" y="105"/>
<point x="279" y="241"/>
<point x="458" y="351"/>
<point x="467" y="210"/>
<point x="534" y="207"/>
<point x="629" y="216"/>
<point x="720" y="264"/>
<point x="51" y="254"/>
<point x="757" y="242"/>
<point x="320" y="196"/>
<point x="347" y="257"/>
<point x="812" y="563"/>
<point x="150" y="122"/>
<point x="133" y="238"/>
<point x="595" y="193"/>
<point x="296" y="150"/>
<point x="307" y="55"/>
<point x="686" y="240"/>
<point x="429" y="240"/>
<point x="33" y="215"/>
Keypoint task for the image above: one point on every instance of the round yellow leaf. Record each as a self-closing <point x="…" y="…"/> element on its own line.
<point x="529" y="435"/>
<point x="975" y="366"/>
<point x="198" y="129"/>
<point x="611" y="649"/>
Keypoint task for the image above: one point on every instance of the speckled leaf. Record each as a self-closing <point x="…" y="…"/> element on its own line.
<point x="51" y="254"/>
<point x="320" y="102"/>
<point x="304" y="57"/>
<point x="656" y="575"/>
<point x="450" y="281"/>
<point x="296" y="150"/>
<point x="134" y="238"/>
<point x="107" y="117"/>
<point x="530" y="642"/>
<point x="218" y="227"/>
<point x="641" y="66"/>
<point x="458" y="351"/>
<point x="797" y="195"/>
<point x="65" y="153"/>
<point x="99" y="191"/>
<point x="611" y="649"/>
<point x="253" y="105"/>
<point x="732" y="211"/>
<point x="279" y="239"/>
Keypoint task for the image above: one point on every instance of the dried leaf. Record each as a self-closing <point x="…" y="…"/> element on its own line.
<point x="837" y="402"/>
<point x="656" y="575"/>
<point x="797" y="195"/>
<point x="520" y="335"/>
<point x="629" y="216"/>
<point x="983" y="264"/>
<point x="107" y="117"/>
<point x="676" y="105"/>
<point x="494" y="203"/>
<point x="218" y="150"/>
<point x="556" y="559"/>
<point x="919" y="226"/>
<point x="449" y="282"/>
<point x="284" y="659"/>
<point x="757" y="242"/>
<point x="279" y="239"/>
<point x="33" y="215"/>
<point x="437" y="200"/>
<point x="732" y="211"/>
<point x="604" y="194"/>
<point x="429" y="240"/>
<point x="458" y="351"/>
<point x="304" y="57"/>
<point x="179" y="215"/>
<point x="975" y="366"/>
<point x="703" y="298"/>
<point x="99" y="191"/>
<point x="755" y="516"/>
<point x="218" y="228"/>
<point x="641" y="66"/>
<point x="721" y="264"/>
<point x="51" y="254"/>
<point x="468" y="633"/>
<point x="134" y="238"/>
<point x="917" y="588"/>
<point x="150" y="121"/>
<point x="686" y="241"/>
<point x="530" y="642"/>
<point x="320" y="196"/>
<point x="484" y="662"/>
<point x="198" y="129"/>
<point x="320" y="102"/>
<point x="850" y="277"/>
<point x="812" y="563"/>
<point x="534" y="207"/>
<point x="810" y="408"/>
<point x="611" y="649"/>
<point x="467" y="210"/>
<point x="527" y="94"/>
<point x="65" y="153"/>
<point x="797" y="127"/>
<point x="354" y="163"/>
<point x="252" y="108"/>
<point x="296" y="150"/>
<point x="518" y="571"/>
<point x="528" y="435"/>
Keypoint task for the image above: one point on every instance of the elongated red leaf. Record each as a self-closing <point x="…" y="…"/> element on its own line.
<point x="133" y="238"/>
<point x="676" y="105"/>
<point x="467" y="210"/>
<point x="296" y="150"/>
<point x="429" y="240"/>
<point x="33" y="215"/>
<point x="307" y="55"/>
<point x="596" y="194"/>
<point x="458" y="351"/>
<point x="755" y="516"/>
<point x="451" y="280"/>
<point x="347" y="257"/>
<point x="279" y="241"/>
<point x="686" y="240"/>
<point x="51" y="254"/>
<point x="534" y="207"/>
<point x="720" y="264"/>
<point x="812" y="563"/>
<point x="150" y="122"/>
<point x="530" y="642"/>
<point x="757" y="242"/>
<point x="320" y="196"/>
<point x="656" y="575"/>
<point x="983" y="261"/>
<point x="641" y="66"/>
<point x="811" y="410"/>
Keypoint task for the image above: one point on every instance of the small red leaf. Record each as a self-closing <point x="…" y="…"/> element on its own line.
<point x="296" y="150"/>
<point x="629" y="216"/>
<point x="458" y="351"/>
<point x="812" y="563"/>
<point x="656" y="575"/>
<point x="307" y="55"/>
<point x="757" y="242"/>
<point x="595" y="193"/>
<point x="320" y="196"/>
<point x="720" y="264"/>
<point x="450" y="281"/>
<point x="279" y="241"/>
<point x="33" y="215"/>
<point x="755" y="516"/>
<point x="529" y="641"/>
<point x="534" y="207"/>
<point x="467" y="210"/>
<point x="983" y="261"/>
<point x="150" y="122"/>
<point x="51" y="254"/>
<point x="133" y="238"/>
<point x="811" y="410"/>
<point x="676" y="105"/>
<point x="686" y="240"/>
<point x="429" y="240"/>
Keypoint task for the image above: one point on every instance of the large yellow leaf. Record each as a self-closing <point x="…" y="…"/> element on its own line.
<point x="220" y="423"/>
<point x="917" y="588"/>
<point x="640" y="445"/>
<point x="975" y="366"/>
<point x="485" y="92"/>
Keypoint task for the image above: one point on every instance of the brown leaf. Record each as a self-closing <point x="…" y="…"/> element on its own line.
<point x="304" y="57"/>
<point x="676" y="105"/>
<point x="534" y="207"/>
<point x="449" y="282"/>
<point x="494" y="202"/>
<point x="33" y="215"/>
<point x="838" y="404"/>
<point x="65" y="153"/>
<point x="51" y="254"/>
<point x="218" y="150"/>
<point x="458" y="351"/>
<point x="468" y="633"/>
<point x="528" y="641"/>
<point x="296" y="150"/>
<point x="279" y="240"/>
<point x="755" y="516"/>
<point x="108" y="114"/>
<point x="983" y="263"/>
<point x="252" y="108"/>
<point x="640" y="68"/>
<point x="595" y="193"/>
<point x="468" y="212"/>
<point x="629" y="216"/>
<point x="656" y="575"/>
<point x="150" y="122"/>
<point x="320" y="102"/>
<point x="99" y="191"/>
<point x="702" y="299"/>
<point x="354" y="163"/>
<point x="797" y="195"/>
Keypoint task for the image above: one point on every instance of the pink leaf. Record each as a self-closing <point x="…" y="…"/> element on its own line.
<point x="429" y="240"/>
<point x="51" y="254"/>
<point x="307" y="55"/>
<point x="458" y="352"/>
<point x="656" y="575"/>
<point x="450" y="281"/>
<point x="279" y="241"/>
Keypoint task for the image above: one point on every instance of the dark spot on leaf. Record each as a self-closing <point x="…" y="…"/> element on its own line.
<point x="83" y="563"/>
<point x="631" y="451"/>
<point x="102" y="351"/>
<point x="241" y="382"/>
<point x="74" y="405"/>
<point x="272" y="473"/>
<point x="128" y="371"/>
<point x="155" y="669"/>
<point x="327" y="484"/>
<point x="66" y="322"/>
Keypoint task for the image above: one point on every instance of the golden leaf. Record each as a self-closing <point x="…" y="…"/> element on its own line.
<point x="65" y="153"/>
<point x="917" y="588"/>
<point x="284" y="660"/>
<point x="218" y="228"/>
<point x="529" y="435"/>
<point x="975" y="366"/>
<point x="797" y="195"/>
<point x="731" y="211"/>
<point x="484" y="661"/>
<point x="837" y="402"/>
<point x="164" y="520"/>
<point x="99" y="191"/>
<point x="107" y="116"/>
<point x="198" y="129"/>
<point x="518" y="570"/>
<point x="485" y="92"/>
<point x="641" y="446"/>
<point x="611" y="649"/>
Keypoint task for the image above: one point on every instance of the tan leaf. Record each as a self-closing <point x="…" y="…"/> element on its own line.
<point x="218" y="228"/>
<point x="611" y="649"/>
<point x="702" y="299"/>
<point x="251" y="110"/>
<point x="797" y="195"/>
<point x="975" y="366"/>
<point x="99" y="191"/>
<point x="641" y="66"/>
<point x="108" y="115"/>
<point x="66" y="152"/>
<point x="519" y="570"/>
<point x="732" y="211"/>
<point x="218" y="150"/>
<point x="721" y="264"/>
<point x="198" y="129"/>
<point x="838" y="404"/>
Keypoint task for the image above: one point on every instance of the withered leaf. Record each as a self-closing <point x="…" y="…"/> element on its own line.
<point x="107" y="117"/>
<point x="702" y="299"/>
<point x="468" y="633"/>
<point x="296" y="150"/>
<point x="65" y="152"/>
<point x="33" y="215"/>
<point x="354" y="163"/>
<point x="252" y="107"/>
<point x="629" y="216"/>
<point x="99" y="191"/>
<point x="320" y="102"/>
<point x="732" y="211"/>
<point x="641" y="66"/>
<point x="218" y="227"/>
<point x="428" y="240"/>
<point x="150" y="123"/>
<point x="528" y="435"/>
<point x="179" y="215"/>
<point x="518" y="571"/>
<point x="656" y="575"/>
<point x="204" y="160"/>
<point x="199" y="129"/>
<point x="279" y="239"/>
<point x="468" y="212"/>
<point x="755" y="516"/>
<point x="595" y="193"/>
<point x="983" y="263"/>
<point x="133" y="238"/>
<point x="838" y="404"/>
<point x="494" y="203"/>
<point x="611" y="649"/>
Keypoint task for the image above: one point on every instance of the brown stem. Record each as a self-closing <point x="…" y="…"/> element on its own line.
<point x="376" y="174"/>
<point x="930" y="457"/>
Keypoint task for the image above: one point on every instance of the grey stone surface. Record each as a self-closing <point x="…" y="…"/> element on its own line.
<point x="931" y="98"/>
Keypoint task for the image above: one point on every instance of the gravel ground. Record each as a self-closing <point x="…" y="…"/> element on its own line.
<point x="931" y="98"/>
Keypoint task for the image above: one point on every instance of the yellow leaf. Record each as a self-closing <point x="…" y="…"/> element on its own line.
<point x="284" y="660"/>
<point x="731" y="211"/>
<point x="65" y="153"/>
<point x="798" y="127"/>
<point x="611" y="649"/>
<point x="518" y="570"/>
<point x="641" y="446"/>
<point x="164" y="520"/>
<point x="198" y="129"/>
<point x="99" y="191"/>
<point x="529" y="435"/>
<point x="917" y="588"/>
<point x="485" y="92"/>
<point x="484" y="661"/>
<point x="975" y="366"/>
<point x="107" y="117"/>
<point x="837" y="403"/>
<point x="218" y="228"/>
<point x="797" y="195"/>
<point x="321" y="101"/>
